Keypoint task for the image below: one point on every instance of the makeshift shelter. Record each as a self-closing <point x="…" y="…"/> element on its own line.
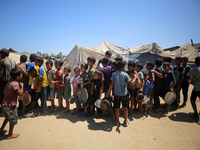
<point x="79" y="54"/>
<point x="149" y="52"/>
<point x="153" y="51"/>
<point x="186" y="50"/>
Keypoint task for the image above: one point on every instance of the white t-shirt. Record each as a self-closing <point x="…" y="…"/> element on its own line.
<point x="140" y="76"/>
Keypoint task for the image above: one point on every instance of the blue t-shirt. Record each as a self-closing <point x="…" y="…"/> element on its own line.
<point x="167" y="82"/>
<point x="121" y="80"/>
<point x="147" y="87"/>
<point x="30" y="66"/>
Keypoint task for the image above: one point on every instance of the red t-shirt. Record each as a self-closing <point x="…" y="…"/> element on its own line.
<point x="10" y="95"/>
<point x="59" y="76"/>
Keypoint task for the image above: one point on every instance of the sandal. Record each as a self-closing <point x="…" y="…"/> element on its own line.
<point x="126" y="124"/>
<point x="115" y="121"/>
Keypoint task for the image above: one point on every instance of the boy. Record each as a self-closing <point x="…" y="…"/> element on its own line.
<point x="35" y="93"/>
<point x="149" y="67"/>
<point x="67" y="87"/>
<point x="108" y="54"/>
<point x="195" y="74"/>
<point x="106" y="79"/>
<point x="43" y="82"/>
<point x="76" y="83"/>
<point x="84" y="82"/>
<point x="185" y="84"/>
<point x="131" y="89"/>
<point x="96" y="92"/>
<point x="157" y="84"/>
<point x="58" y="81"/>
<point x="119" y="81"/>
<point x="106" y="73"/>
<point x="168" y="59"/>
<point x="138" y="86"/>
<point x="147" y="91"/>
<point x="9" y="105"/>
<point x="178" y="73"/>
<point x="168" y="83"/>
<point x="24" y="80"/>
<point x="51" y="87"/>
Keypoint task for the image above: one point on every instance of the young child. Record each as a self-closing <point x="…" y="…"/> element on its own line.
<point x="147" y="91"/>
<point x="96" y="92"/>
<point x="168" y="59"/>
<point x="149" y="67"/>
<point x="178" y="73"/>
<point x="90" y="62"/>
<point x="76" y="83"/>
<point x="106" y="79"/>
<point x="84" y="82"/>
<point x="195" y="74"/>
<point x="2" y="83"/>
<point x="119" y="81"/>
<point x="67" y="87"/>
<point x="24" y="80"/>
<point x="51" y="87"/>
<point x="185" y="84"/>
<point x="138" y="87"/>
<point x="58" y="81"/>
<point x="9" y="105"/>
<point x="168" y="83"/>
<point x="43" y="82"/>
<point x="157" y="84"/>
<point x="133" y="76"/>
<point x="106" y="73"/>
<point x="35" y="94"/>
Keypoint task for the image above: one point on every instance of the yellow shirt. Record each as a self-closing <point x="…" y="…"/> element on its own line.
<point x="41" y="72"/>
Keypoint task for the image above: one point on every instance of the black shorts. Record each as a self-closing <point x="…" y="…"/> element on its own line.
<point x="131" y="92"/>
<point x="11" y="114"/>
<point x="118" y="99"/>
<point x="194" y="95"/>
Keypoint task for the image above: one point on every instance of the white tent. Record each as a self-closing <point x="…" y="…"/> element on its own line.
<point x="186" y="50"/>
<point x="149" y="52"/>
<point x="153" y="51"/>
<point x="79" y="54"/>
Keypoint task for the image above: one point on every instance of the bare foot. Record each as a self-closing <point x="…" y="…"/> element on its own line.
<point x="12" y="136"/>
<point x="3" y="131"/>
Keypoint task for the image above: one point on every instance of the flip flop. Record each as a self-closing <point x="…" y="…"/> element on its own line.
<point x="126" y="124"/>
<point x="115" y="122"/>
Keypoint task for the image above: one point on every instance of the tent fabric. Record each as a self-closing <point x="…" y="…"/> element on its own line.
<point x="79" y="54"/>
<point x="151" y="52"/>
<point x="186" y="50"/>
<point x="152" y="48"/>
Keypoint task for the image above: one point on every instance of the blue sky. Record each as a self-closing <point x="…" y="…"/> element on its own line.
<point x="53" y="26"/>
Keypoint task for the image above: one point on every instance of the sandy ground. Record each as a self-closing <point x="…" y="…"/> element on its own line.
<point x="65" y="131"/>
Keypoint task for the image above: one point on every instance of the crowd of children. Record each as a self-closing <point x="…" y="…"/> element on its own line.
<point x="112" y="79"/>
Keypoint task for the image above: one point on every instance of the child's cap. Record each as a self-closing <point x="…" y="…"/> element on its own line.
<point x="98" y="72"/>
<point x="131" y="63"/>
<point x="68" y="68"/>
<point x="166" y="63"/>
